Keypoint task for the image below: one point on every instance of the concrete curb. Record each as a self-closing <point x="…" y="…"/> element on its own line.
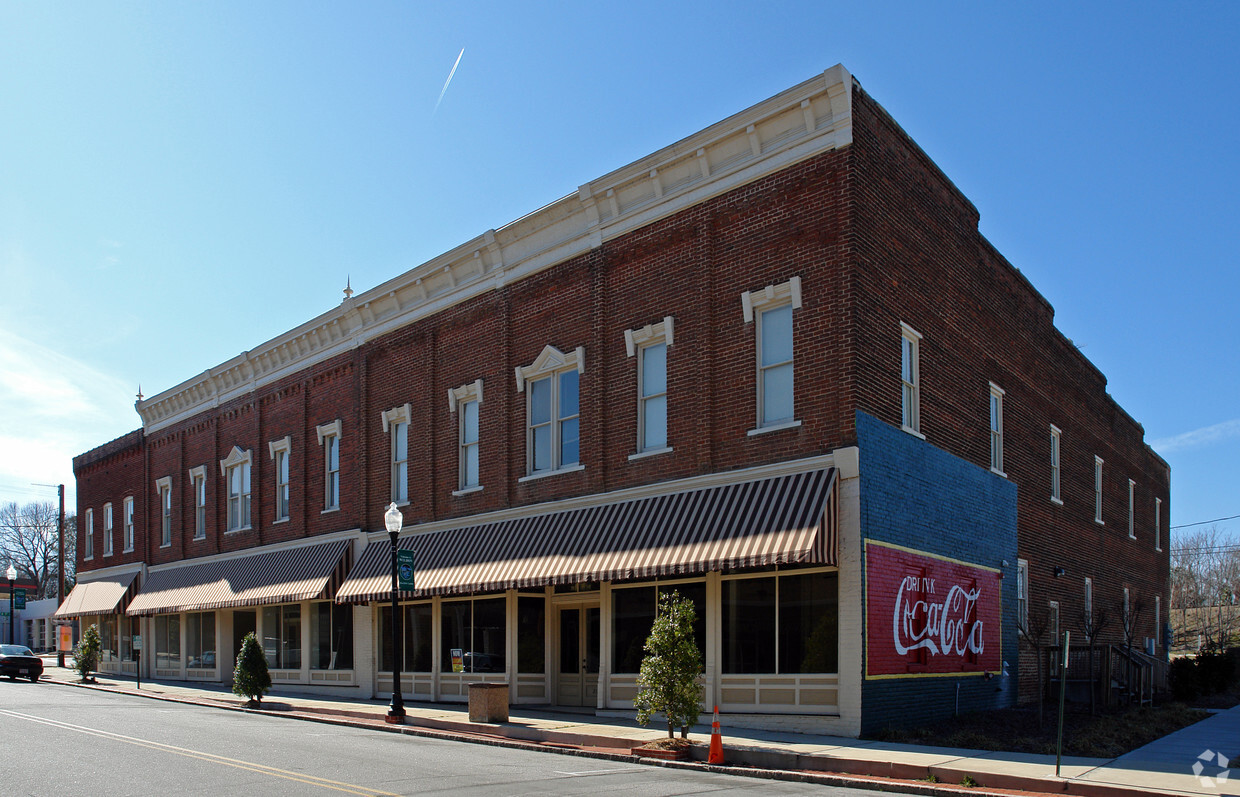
<point x="747" y="761"/>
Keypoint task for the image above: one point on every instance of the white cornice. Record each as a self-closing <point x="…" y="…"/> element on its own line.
<point x="797" y="124"/>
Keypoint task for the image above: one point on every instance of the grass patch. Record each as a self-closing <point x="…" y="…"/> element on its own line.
<point x="1105" y="735"/>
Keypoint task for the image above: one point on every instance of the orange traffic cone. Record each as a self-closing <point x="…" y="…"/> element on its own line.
<point x="716" y="742"/>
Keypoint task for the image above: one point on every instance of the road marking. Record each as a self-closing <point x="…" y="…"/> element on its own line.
<point x="311" y="780"/>
<point x="596" y="772"/>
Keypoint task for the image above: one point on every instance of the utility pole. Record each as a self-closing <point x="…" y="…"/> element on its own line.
<point x="60" y="590"/>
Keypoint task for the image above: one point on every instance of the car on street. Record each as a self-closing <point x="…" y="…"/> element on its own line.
<point x="19" y="661"/>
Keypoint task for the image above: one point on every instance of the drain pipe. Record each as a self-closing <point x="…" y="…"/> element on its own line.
<point x="957" y="698"/>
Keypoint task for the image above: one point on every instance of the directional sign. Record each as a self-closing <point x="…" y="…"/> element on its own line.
<point x="404" y="569"/>
<point x="19" y="599"/>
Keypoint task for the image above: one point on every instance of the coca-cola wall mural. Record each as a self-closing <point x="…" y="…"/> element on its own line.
<point x="930" y="615"/>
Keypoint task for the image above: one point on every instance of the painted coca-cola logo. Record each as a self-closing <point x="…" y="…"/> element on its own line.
<point x="929" y="614"/>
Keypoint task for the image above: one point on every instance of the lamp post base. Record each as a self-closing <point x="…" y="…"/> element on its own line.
<point x="394" y="719"/>
<point x="396" y="710"/>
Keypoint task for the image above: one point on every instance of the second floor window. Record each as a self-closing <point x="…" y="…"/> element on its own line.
<point x="200" y="503"/>
<point x="1097" y="489"/>
<point x="469" y="444"/>
<point x="996" y="428"/>
<point x="910" y="378"/>
<point x="553" y="438"/>
<point x="1132" y="509"/>
<point x="128" y="524"/>
<point x="331" y="446"/>
<point x="88" y="549"/>
<point x="107" y="529"/>
<point x="400" y="462"/>
<point x="652" y="398"/>
<point x="775" y="366"/>
<point x="282" y="485"/>
<point x="165" y="514"/>
<point x="1055" y="494"/>
<point x="238" y="478"/>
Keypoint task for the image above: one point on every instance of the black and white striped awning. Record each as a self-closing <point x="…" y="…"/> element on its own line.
<point x="780" y="520"/>
<point x="286" y="575"/>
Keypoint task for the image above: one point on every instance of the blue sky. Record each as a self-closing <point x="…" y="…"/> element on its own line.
<point x="182" y="181"/>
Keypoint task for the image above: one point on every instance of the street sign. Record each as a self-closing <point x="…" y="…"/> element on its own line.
<point x="404" y="569"/>
<point x="19" y="599"/>
<point x="137" y="642"/>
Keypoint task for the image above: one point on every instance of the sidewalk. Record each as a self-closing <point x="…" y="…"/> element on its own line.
<point x="1163" y="767"/>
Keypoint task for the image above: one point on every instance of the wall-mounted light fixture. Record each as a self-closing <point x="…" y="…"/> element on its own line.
<point x="1057" y="572"/>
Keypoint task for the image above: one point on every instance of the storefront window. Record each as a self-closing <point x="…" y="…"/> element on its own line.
<point x="531" y="634"/>
<point x="167" y="641"/>
<point x="107" y="640"/>
<point x="282" y="636"/>
<point x="331" y="636"/>
<point x="633" y="611"/>
<point x="417" y="633"/>
<point x="477" y="628"/>
<point x="781" y="624"/>
<point x="200" y="640"/>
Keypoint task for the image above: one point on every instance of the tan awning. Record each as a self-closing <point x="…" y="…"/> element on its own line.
<point x="99" y="596"/>
<point x="780" y="520"/>
<point x="283" y="576"/>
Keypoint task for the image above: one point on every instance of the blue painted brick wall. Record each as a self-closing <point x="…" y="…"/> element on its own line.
<point x="919" y="496"/>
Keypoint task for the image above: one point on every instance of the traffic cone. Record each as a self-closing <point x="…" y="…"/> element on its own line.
<point x="716" y="742"/>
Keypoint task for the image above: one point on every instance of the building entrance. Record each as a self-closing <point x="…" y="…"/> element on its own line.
<point x="580" y="637"/>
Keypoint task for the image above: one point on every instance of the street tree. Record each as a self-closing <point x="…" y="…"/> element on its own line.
<point x="30" y="539"/>
<point x="667" y="682"/>
<point x="251" y="678"/>
<point x="86" y="654"/>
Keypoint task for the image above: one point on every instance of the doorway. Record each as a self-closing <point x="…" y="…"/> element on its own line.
<point x="243" y="623"/>
<point x="580" y="638"/>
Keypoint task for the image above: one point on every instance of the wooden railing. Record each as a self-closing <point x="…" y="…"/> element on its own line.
<point x="1112" y="674"/>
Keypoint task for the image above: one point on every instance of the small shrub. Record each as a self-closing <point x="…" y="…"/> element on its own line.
<point x="931" y="778"/>
<point x="667" y="682"/>
<point x="86" y="654"/>
<point x="968" y="782"/>
<point x="1185" y="679"/>
<point x="1216" y="671"/>
<point x="250" y="677"/>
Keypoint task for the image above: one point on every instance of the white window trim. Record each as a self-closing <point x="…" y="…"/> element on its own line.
<point x="1158" y="524"/>
<point x="88" y="550"/>
<point x="1089" y="598"/>
<point x="760" y="399"/>
<point x="108" y="525"/>
<point x="636" y="341"/>
<point x="771" y="296"/>
<point x="235" y="458"/>
<point x="128" y="532"/>
<point x="549" y="363"/>
<point x="914" y="337"/>
<point x="1157" y="622"/>
<point x="283" y="445"/>
<point x="996" y="392"/>
<point x="391" y="417"/>
<point x="1132" y="509"/>
<point x="458" y="396"/>
<point x="1056" y="465"/>
<point x="1053" y="610"/>
<point x="1098" y="490"/>
<point x="160" y="485"/>
<point x="195" y="474"/>
<point x="324" y="431"/>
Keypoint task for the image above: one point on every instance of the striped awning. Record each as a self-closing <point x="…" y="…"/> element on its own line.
<point x="287" y="575"/>
<point x="99" y="596"/>
<point x="779" y="520"/>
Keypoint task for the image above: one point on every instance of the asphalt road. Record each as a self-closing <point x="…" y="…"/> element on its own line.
<point x="67" y="741"/>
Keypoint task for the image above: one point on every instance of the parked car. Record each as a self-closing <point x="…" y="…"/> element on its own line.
<point x="19" y="661"/>
<point x="207" y="662"/>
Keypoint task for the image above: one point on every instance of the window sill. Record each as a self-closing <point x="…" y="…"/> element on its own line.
<point x="654" y="452"/>
<point x="1131" y="536"/>
<point x="127" y="550"/>
<point x="198" y="538"/>
<point x="88" y="558"/>
<point x="106" y="555"/>
<point x="278" y="521"/>
<point x="778" y="427"/>
<point x="329" y="510"/>
<point x="238" y="531"/>
<point x="165" y="545"/>
<point x="1100" y="521"/>
<point x="1056" y="501"/>
<point x="998" y="472"/>
<point x="467" y="491"/>
<point x="545" y="473"/>
<point x="913" y="432"/>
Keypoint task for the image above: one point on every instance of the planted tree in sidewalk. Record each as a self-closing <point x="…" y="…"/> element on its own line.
<point x="86" y="654"/>
<point x="667" y="682"/>
<point x="251" y="679"/>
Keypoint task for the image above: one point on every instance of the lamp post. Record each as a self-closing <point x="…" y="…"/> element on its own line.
<point x="394" y="520"/>
<point x="11" y="575"/>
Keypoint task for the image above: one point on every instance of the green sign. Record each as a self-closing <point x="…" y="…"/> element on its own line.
<point x="404" y="569"/>
<point x="19" y="599"/>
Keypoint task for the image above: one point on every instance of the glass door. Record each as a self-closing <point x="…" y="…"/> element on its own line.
<point x="580" y="636"/>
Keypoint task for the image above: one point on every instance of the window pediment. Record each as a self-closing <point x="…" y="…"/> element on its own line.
<point x="549" y="361"/>
<point x="771" y="295"/>
<point x="470" y="392"/>
<point x="284" y="444"/>
<point x="328" y="430"/>
<point x="649" y="334"/>
<point x="399" y="414"/>
<point x="234" y="458"/>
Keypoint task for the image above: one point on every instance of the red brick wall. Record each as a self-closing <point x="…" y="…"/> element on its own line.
<point x="922" y="261"/>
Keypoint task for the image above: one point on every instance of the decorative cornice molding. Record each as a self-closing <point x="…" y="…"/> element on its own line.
<point x="794" y="125"/>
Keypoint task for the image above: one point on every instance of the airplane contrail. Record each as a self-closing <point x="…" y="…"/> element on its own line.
<point x="449" y="80"/>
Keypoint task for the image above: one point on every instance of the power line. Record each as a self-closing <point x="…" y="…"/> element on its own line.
<point x="1203" y="522"/>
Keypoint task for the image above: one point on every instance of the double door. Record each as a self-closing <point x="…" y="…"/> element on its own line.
<point x="580" y="638"/>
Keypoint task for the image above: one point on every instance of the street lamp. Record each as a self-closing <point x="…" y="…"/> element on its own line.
<point x="394" y="520"/>
<point x="11" y="575"/>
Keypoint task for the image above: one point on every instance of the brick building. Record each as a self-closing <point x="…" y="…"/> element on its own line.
<point x="773" y="366"/>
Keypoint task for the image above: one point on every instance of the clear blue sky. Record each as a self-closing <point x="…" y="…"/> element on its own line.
<point x="182" y="181"/>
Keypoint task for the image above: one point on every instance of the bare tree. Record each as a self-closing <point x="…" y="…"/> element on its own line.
<point x="1093" y="623"/>
<point x="1205" y="580"/>
<point x="1032" y="631"/>
<point x="30" y="539"/>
